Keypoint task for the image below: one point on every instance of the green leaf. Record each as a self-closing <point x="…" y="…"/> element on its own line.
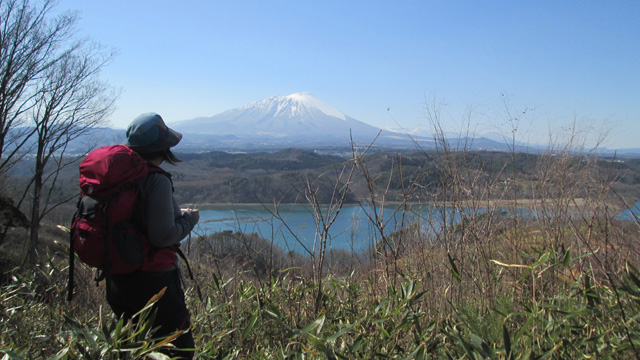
<point x="632" y="274"/>
<point x="274" y="312"/>
<point x="332" y="339"/>
<point x="550" y="352"/>
<point x="317" y="342"/>
<point x="417" y="354"/>
<point x="106" y="331"/>
<point x="566" y="260"/>
<point x="482" y="345"/>
<point x="465" y="345"/>
<point x="454" y="269"/>
<point x="358" y="343"/>
<point x="157" y="356"/>
<point x="8" y="354"/>
<point x="199" y="292"/>
<point x="118" y="330"/>
<point x="316" y="324"/>
<point x="421" y="295"/>
<point x="60" y="355"/>
<point x="507" y="342"/>
<point x="215" y="281"/>
<point x="64" y="228"/>
<point x="542" y="260"/>
<point x="524" y="327"/>
<point x="252" y="323"/>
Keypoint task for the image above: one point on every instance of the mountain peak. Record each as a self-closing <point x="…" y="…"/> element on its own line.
<point x="292" y="119"/>
<point x="296" y="105"/>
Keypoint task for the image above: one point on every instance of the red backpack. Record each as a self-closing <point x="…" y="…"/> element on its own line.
<point x="108" y="231"/>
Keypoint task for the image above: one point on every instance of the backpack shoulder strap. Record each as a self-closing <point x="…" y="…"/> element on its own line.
<point x="157" y="169"/>
<point x="72" y="254"/>
<point x="139" y="218"/>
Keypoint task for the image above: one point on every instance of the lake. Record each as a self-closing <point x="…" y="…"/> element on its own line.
<point x="631" y="214"/>
<point x="352" y="229"/>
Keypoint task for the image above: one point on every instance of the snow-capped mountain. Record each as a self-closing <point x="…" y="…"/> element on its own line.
<point x="297" y="120"/>
<point x="298" y="116"/>
<point x="300" y="121"/>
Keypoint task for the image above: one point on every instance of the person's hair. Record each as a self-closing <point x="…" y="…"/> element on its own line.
<point x="166" y="155"/>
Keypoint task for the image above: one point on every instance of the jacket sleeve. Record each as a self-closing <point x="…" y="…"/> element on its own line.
<point x="166" y="225"/>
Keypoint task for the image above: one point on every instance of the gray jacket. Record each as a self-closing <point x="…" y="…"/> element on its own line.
<point x="166" y="224"/>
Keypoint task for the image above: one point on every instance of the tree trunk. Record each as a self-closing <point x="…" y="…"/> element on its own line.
<point x="34" y="227"/>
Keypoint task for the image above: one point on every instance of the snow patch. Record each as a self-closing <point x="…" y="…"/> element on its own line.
<point x="311" y="102"/>
<point x="294" y="105"/>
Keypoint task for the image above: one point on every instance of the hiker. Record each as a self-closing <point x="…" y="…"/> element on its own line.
<point x="166" y="226"/>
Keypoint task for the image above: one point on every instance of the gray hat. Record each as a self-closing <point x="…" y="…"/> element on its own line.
<point x="148" y="133"/>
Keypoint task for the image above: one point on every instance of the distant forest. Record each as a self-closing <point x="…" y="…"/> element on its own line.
<point x="283" y="176"/>
<point x="287" y="175"/>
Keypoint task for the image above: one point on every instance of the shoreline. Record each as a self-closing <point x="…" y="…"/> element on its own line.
<point x="577" y="202"/>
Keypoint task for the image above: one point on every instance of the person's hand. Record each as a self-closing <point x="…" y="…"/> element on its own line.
<point x="194" y="213"/>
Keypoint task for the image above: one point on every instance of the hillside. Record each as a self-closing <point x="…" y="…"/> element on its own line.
<point x="282" y="176"/>
<point x="218" y="177"/>
<point x="530" y="279"/>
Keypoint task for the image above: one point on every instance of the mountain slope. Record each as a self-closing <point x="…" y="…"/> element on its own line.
<point x="297" y="120"/>
<point x="297" y="116"/>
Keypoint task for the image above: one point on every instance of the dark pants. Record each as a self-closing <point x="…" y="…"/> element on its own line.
<point x="129" y="293"/>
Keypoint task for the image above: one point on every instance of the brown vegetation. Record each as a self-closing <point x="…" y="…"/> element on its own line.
<point x="521" y="262"/>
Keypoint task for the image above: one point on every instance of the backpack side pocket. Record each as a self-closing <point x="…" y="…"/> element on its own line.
<point x="87" y="232"/>
<point x="127" y="244"/>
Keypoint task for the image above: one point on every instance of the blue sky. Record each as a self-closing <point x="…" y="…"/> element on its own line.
<point x="381" y="62"/>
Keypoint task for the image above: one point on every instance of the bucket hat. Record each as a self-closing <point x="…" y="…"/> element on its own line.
<point x="149" y="133"/>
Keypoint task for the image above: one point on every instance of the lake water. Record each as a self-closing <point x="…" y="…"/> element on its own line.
<point x="631" y="214"/>
<point x="352" y="229"/>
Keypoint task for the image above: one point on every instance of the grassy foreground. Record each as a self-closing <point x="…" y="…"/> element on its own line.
<point x="493" y="278"/>
<point x="556" y="303"/>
